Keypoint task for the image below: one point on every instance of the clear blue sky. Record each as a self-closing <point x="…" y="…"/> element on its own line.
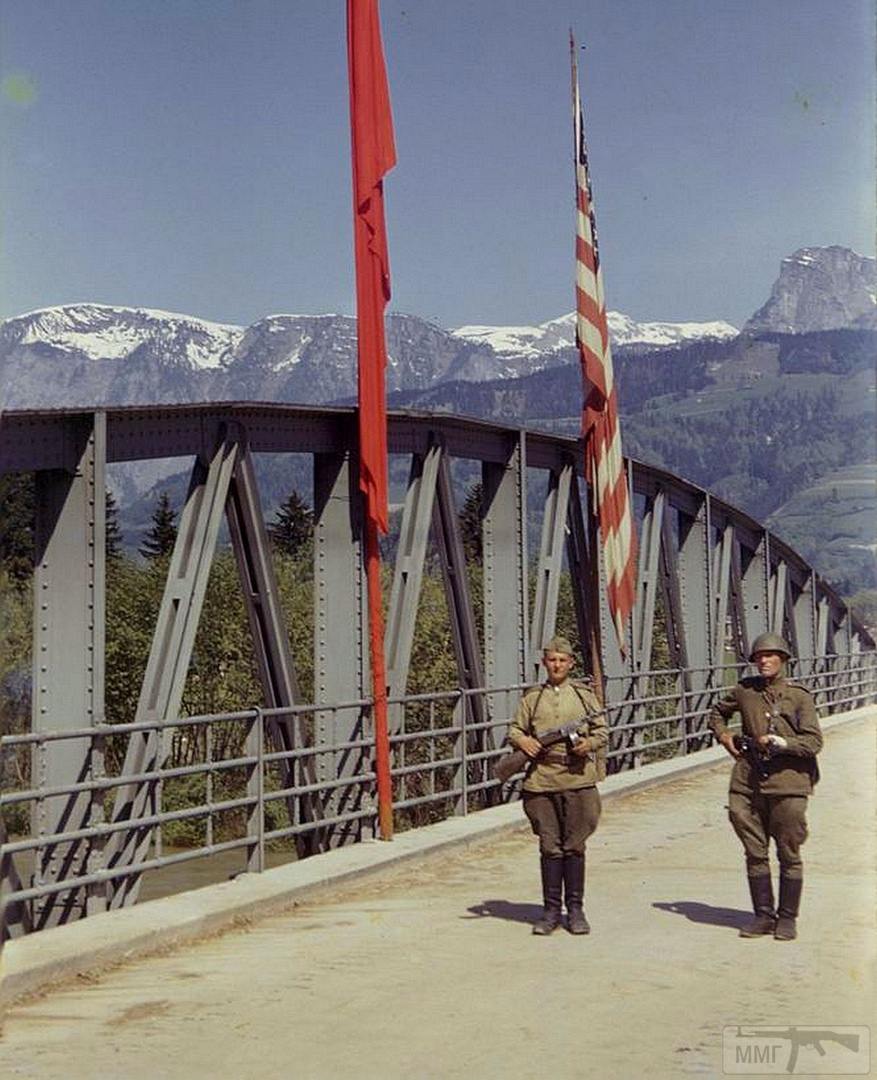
<point x="193" y="155"/>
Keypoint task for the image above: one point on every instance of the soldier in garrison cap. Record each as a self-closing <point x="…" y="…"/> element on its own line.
<point x="774" y="773"/>
<point x="560" y="786"/>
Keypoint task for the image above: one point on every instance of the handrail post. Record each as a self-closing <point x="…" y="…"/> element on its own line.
<point x="464" y="753"/>
<point x="256" y="791"/>
<point x="96" y="859"/>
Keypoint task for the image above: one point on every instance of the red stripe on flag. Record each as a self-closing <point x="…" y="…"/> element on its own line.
<point x="585" y="253"/>
<point x="590" y="310"/>
<point x="594" y="375"/>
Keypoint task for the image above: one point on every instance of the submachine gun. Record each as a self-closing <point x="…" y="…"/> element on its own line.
<point x="512" y="763"/>
<point x="757" y="756"/>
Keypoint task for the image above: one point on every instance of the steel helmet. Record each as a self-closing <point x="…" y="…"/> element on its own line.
<point x="769" y="643"/>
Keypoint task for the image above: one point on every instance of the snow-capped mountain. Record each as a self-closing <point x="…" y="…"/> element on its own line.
<point x="625" y="331"/>
<point x="532" y="341"/>
<point x="101" y="332"/>
<point x="523" y="341"/>
<point x="87" y="354"/>
<point x="95" y="354"/>
<point x="822" y="288"/>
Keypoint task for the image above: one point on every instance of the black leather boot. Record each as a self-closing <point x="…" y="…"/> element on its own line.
<point x="574" y="891"/>
<point x="790" y="902"/>
<point x="552" y="896"/>
<point x="761" y="891"/>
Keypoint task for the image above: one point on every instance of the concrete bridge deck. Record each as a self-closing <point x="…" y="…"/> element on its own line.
<point x="430" y="970"/>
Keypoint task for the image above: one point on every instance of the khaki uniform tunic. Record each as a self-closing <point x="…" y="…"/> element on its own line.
<point x="780" y="708"/>
<point x="546" y="707"/>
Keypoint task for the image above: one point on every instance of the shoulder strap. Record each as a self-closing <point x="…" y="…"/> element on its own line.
<point x="536" y="706"/>
<point x="579" y="695"/>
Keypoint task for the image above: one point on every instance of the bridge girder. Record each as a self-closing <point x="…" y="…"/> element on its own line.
<point x="718" y="576"/>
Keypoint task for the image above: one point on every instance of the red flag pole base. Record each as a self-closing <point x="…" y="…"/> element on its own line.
<point x="385" y="822"/>
<point x="379" y="682"/>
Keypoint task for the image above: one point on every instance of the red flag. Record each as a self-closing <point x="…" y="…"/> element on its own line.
<point x="374" y="154"/>
<point x="604" y="467"/>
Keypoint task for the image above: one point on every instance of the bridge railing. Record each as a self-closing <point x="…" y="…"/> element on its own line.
<point x="662" y="713"/>
<point x="225" y="794"/>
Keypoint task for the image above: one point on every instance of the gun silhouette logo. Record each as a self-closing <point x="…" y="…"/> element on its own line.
<point x="756" y="1050"/>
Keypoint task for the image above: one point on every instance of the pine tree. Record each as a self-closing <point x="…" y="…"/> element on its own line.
<point x="159" y="541"/>
<point x="293" y="525"/>
<point x="113" y="533"/>
<point x="470" y="524"/>
<point x="17" y="501"/>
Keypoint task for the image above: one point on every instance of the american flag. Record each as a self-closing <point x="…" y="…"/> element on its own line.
<point x="604" y="467"/>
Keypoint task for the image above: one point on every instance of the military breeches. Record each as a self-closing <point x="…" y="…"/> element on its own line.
<point x="756" y="818"/>
<point x="563" y="820"/>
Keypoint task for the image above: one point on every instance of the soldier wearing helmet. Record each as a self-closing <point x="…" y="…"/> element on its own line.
<point x="773" y="775"/>
<point x="560" y="786"/>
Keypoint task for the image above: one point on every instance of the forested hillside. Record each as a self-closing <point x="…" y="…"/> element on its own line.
<point x="758" y="420"/>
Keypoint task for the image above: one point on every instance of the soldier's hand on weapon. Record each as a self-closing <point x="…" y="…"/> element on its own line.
<point x="727" y="740"/>
<point x="776" y="742"/>
<point x="579" y="746"/>
<point x="530" y="745"/>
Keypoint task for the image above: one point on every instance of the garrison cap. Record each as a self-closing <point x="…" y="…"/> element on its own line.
<point x="558" y="644"/>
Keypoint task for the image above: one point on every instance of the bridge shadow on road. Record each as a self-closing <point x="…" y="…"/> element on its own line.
<point x="504" y="909"/>
<point x="694" y="911"/>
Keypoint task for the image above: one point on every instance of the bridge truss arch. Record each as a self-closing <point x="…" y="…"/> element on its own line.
<point x="709" y="575"/>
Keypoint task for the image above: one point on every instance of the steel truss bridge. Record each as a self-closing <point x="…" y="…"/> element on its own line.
<point x="301" y="772"/>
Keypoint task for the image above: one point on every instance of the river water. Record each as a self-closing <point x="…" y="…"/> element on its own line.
<point x="209" y="870"/>
<point x="180" y="876"/>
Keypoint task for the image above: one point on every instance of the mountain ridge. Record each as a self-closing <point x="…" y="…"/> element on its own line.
<point x="91" y="353"/>
<point x="757" y="416"/>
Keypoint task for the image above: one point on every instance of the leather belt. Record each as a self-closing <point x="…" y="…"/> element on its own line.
<point x="556" y="758"/>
